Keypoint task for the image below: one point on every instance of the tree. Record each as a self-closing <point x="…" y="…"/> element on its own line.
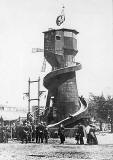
<point x="105" y="111"/>
<point x="109" y="105"/>
<point x="95" y="103"/>
<point x="101" y="108"/>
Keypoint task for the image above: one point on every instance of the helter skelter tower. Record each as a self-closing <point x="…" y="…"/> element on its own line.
<point x="60" y="49"/>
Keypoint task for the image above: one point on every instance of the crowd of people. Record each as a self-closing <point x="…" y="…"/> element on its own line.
<point x="28" y="132"/>
<point x="82" y="132"/>
<point x="88" y="132"/>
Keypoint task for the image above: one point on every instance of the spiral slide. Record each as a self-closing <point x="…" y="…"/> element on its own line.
<point x="60" y="49"/>
<point x="55" y="77"/>
<point x="72" y="119"/>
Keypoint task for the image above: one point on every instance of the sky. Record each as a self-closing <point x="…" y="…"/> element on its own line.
<point x="22" y="24"/>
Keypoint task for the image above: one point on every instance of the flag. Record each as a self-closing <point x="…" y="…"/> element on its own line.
<point x="61" y="18"/>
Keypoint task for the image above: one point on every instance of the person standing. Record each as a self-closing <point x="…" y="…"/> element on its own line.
<point x="88" y="127"/>
<point x="6" y="134"/>
<point x="40" y="133"/>
<point x="61" y="133"/>
<point x="29" y="131"/>
<point x="46" y="134"/>
<point x="25" y="133"/>
<point x="93" y="138"/>
<point x="80" y="133"/>
<point x="1" y="134"/>
<point x="33" y="131"/>
<point x="37" y="133"/>
<point x="77" y="138"/>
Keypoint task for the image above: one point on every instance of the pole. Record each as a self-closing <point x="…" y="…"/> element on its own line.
<point x="11" y="133"/>
<point x="39" y="99"/>
<point x="38" y="91"/>
<point x="29" y="96"/>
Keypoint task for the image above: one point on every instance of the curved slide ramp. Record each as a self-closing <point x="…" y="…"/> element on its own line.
<point x="74" y="118"/>
<point x="54" y="77"/>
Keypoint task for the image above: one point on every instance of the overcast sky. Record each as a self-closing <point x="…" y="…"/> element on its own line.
<point x="21" y="25"/>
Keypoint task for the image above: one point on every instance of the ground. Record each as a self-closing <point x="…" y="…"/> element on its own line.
<point x="55" y="151"/>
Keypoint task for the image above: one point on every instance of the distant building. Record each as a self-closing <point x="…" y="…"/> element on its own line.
<point x="12" y="113"/>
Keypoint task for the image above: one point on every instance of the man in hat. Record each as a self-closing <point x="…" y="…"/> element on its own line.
<point x="80" y="133"/>
<point x="61" y="133"/>
<point x="39" y="133"/>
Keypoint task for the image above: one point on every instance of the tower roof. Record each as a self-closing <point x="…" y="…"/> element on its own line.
<point x="62" y="29"/>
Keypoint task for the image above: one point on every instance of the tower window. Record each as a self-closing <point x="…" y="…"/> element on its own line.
<point x="58" y="37"/>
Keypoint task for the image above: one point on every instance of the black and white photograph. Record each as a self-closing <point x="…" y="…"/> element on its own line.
<point x="56" y="79"/>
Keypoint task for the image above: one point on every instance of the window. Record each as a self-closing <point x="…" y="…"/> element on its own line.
<point x="58" y="37"/>
<point x="67" y="34"/>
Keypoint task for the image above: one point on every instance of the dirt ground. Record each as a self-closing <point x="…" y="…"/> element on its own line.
<point x="55" y="151"/>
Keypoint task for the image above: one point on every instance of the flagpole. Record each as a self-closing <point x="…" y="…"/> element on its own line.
<point x="60" y="18"/>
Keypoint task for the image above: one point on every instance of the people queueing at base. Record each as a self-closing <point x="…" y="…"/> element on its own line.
<point x="77" y="137"/>
<point x="3" y="134"/>
<point x="88" y="127"/>
<point x="18" y="131"/>
<point x="80" y="134"/>
<point x="46" y="133"/>
<point x="33" y="132"/>
<point x="61" y="133"/>
<point x="25" y="133"/>
<point x="88" y="132"/>
<point x="39" y="133"/>
<point x="91" y="136"/>
<point x="29" y="131"/>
